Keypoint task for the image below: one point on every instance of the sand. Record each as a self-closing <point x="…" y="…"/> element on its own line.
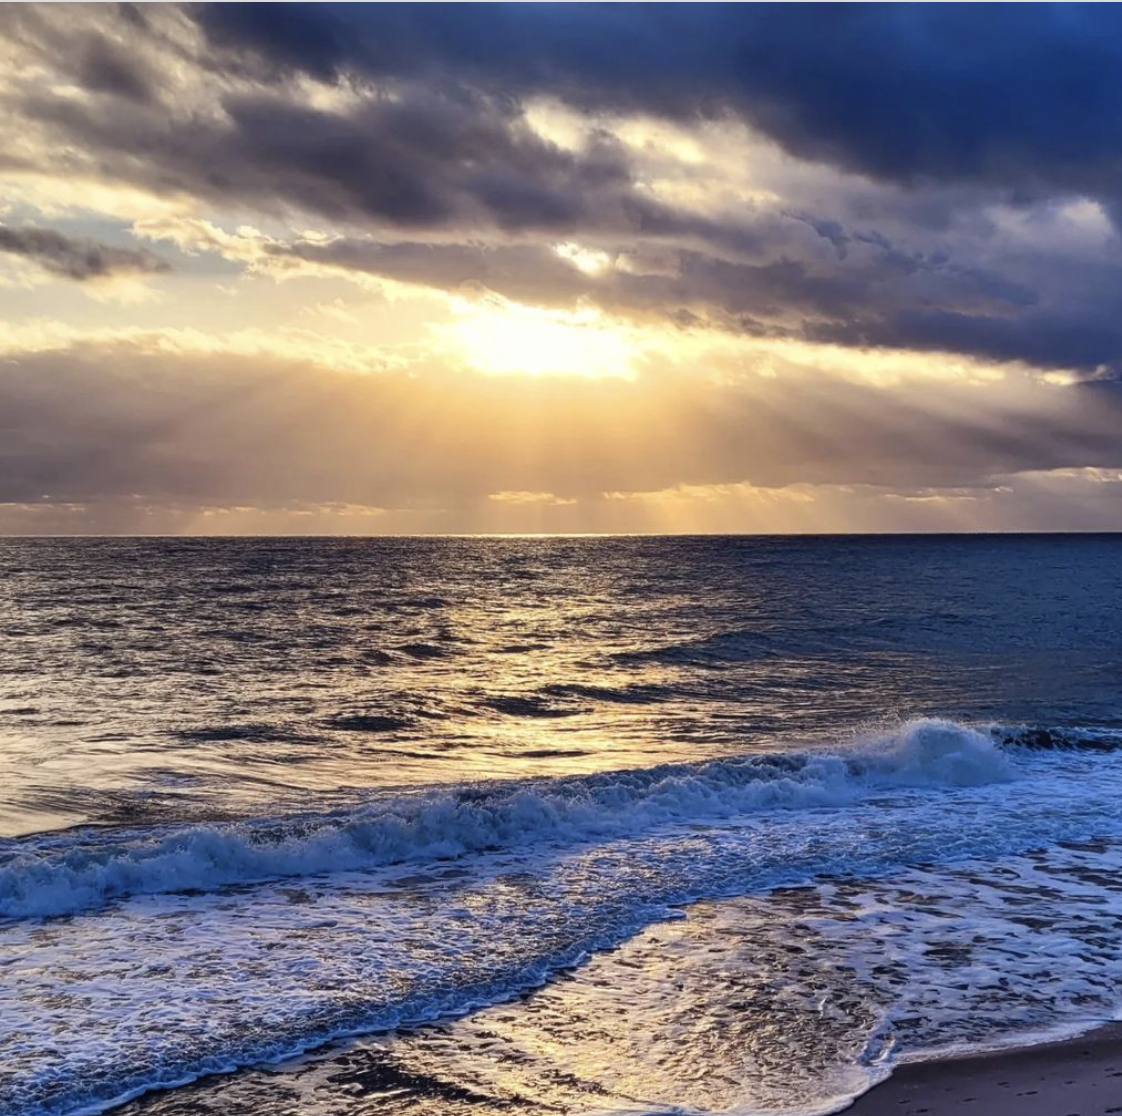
<point x="1076" y="1077"/>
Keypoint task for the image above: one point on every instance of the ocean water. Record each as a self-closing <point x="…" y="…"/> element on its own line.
<point x="606" y="825"/>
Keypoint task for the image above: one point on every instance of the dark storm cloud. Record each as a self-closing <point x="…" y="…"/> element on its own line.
<point x="953" y="107"/>
<point x="1026" y="97"/>
<point x="520" y="271"/>
<point x="868" y="299"/>
<point x="1024" y="100"/>
<point x="426" y="156"/>
<point x="78" y="258"/>
<point x="1087" y="339"/>
<point x="92" y="58"/>
<point x="105" y="68"/>
<point x="422" y="161"/>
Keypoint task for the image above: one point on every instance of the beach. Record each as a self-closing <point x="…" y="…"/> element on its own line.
<point x="1079" y="1076"/>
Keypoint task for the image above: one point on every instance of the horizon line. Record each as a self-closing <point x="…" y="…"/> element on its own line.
<point x="997" y="533"/>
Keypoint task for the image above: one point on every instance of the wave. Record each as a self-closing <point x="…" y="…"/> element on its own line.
<point x="252" y="733"/>
<point x="369" y="722"/>
<point x="815" y="638"/>
<point x="529" y="705"/>
<point x="720" y="647"/>
<point x="1037" y="738"/>
<point x="424" y="651"/>
<point x="55" y="876"/>
<point x="636" y="693"/>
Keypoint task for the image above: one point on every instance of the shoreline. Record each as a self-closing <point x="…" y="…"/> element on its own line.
<point x="1076" y="1075"/>
<point x="1073" y="1076"/>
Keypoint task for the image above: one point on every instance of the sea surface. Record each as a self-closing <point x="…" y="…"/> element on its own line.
<point x="307" y="827"/>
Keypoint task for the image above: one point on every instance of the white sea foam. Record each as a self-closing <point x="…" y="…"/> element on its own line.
<point x="168" y="988"/>
<point x="162" y="988"/>
<point x="797" y="1000"/>
<point x="86" y="870"/>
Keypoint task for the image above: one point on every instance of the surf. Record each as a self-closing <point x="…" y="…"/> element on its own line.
<point x="86" y="869"/>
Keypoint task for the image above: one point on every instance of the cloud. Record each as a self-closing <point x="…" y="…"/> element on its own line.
<point x="1026" y="100"/>
<point x="418" y="159"/>
<point x="78" y="258"/>
<point x="412" y="140"/>
<point x="804" y="213"/>
<point x="875" y="296"/>
<point x="417" y="113"/>
<point x="1090" y="339"/>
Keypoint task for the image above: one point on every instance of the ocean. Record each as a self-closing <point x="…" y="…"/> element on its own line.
<point x="329" y="827"/>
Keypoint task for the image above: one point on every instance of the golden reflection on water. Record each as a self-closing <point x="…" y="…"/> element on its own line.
<point x="485" y="687"/>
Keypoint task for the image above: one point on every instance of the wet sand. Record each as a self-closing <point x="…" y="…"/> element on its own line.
<point x="1075" y="1077"/>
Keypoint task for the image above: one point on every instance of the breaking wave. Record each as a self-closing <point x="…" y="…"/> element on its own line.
<point x="83" y="870"/>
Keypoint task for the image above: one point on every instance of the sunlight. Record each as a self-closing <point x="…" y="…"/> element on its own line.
<point x="588" y="260"/>
<point x="501" y="337"/>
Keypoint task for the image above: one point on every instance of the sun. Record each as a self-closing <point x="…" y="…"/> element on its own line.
<point x="500" y="337"/>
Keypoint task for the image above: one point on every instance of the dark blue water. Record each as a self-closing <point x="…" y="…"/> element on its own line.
<point x="165" y="677"/>
<point x="259" y="793"/>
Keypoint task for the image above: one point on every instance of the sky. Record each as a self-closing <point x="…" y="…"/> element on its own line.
<point x="392" y="269"/>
